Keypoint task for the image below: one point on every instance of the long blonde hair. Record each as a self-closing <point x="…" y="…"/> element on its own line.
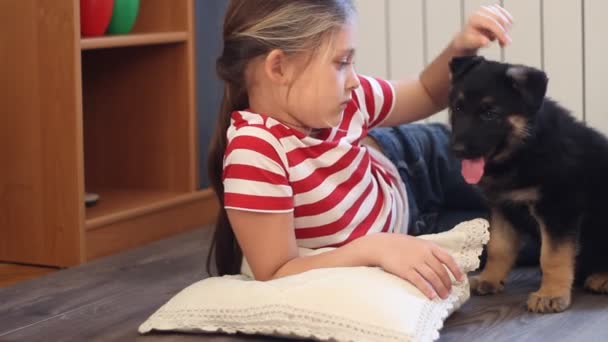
<point x="253" y="28"/>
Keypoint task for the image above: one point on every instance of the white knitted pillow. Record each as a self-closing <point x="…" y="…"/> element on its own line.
<point x="343" y="304"/>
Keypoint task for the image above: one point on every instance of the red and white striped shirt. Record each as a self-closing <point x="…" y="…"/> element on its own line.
<point x="337" y="189"/>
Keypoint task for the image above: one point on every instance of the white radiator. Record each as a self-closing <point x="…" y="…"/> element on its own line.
<point x="566" y="38"/>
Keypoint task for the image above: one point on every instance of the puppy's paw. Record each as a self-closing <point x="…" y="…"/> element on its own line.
<point x="546" y="303"/>
<point x="597" y="283"/>
<point x="480" y="286"/>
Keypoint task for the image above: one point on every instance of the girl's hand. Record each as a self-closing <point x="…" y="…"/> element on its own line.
<point x="420" y="262"/>
<point x="486" y="25"/>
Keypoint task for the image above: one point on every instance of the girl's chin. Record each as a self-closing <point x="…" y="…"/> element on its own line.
<point x="331" y="121"/>
<point x="331" y="124"/>
<point x="337" y="118"/>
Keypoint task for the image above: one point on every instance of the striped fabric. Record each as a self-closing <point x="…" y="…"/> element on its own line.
<point x="337" y="189"/>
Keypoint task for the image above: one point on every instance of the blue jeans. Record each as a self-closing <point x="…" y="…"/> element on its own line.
<point x="438" y="196"/>
<point x="431" y="174"/>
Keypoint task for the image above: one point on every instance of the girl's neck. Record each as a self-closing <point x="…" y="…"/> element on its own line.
<point x="285" y="120"/>
<point x="279" y="114"/>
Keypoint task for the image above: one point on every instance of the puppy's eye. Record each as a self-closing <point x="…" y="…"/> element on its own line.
<point x="457" y="108"/>
<point x="489" y="115"/>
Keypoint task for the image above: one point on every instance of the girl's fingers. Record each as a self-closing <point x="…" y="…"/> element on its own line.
<point x="499" y="15"/>
<point x="451" y="264"/>
<point x="483" y="41"/>
<point x="421" y="284"/>
<point x="431" y="276"/>
<point x="441" y="272"/>
<point x="483" y="22"/>
<point x="476" y="40"/>
<point x="491" y="22"/>
<point x="505" y="13"/>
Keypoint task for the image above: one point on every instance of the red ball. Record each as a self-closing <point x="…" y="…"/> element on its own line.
<point x="95" y="16"/>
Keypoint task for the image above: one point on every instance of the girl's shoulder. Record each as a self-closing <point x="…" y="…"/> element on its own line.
<point x="245" y="122"/>
<point x="261" y="134"/>
<point x="253" y="138"/>
<point x="375" y="98"/>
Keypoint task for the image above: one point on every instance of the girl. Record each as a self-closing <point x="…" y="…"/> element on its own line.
<point x="291" y="162"/>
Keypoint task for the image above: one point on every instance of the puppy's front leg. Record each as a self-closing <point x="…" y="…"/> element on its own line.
<point x="557" y="258"/>
<point x="503" y="248"/>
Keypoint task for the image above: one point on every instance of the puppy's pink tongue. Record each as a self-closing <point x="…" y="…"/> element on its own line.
<point x="472" y="170"/>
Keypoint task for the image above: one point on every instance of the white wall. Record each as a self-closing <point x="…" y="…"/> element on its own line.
<point x="566" y="38"/>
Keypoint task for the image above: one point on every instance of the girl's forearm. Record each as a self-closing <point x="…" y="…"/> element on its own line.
<point x="360" y="252"/>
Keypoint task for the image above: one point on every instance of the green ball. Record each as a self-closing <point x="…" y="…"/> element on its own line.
<point x="123" y="16"/>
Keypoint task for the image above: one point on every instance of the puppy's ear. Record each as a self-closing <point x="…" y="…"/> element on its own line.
<point x="531" y="83"/>
<point x="460" y="65"/>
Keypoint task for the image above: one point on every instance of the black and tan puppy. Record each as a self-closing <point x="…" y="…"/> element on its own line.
<point x="541" y="172"/>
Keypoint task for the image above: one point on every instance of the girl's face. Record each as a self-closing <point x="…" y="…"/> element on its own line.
<point x="319" y="94"/>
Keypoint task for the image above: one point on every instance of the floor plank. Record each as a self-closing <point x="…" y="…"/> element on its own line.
<point x="504" y="317"/>
<point x="131" y="284"/>
<point x="11" y="274"/>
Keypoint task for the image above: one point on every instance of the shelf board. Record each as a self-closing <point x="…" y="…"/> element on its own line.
<point x="106" y="42"/>
<point x="116" y="205"/>
<point x="184" y="212"/>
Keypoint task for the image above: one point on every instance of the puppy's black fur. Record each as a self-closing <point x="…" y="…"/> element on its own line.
<point x="538" y="157"/>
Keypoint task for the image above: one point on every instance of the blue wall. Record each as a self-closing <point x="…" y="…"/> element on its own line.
<point x="209" y="16"/>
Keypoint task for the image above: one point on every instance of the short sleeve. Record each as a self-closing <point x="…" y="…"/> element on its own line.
<point x="255" y="174"/>
<point x="376" y="99"/>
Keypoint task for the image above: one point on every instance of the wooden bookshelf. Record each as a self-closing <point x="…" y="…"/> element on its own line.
<point x="133" y="40"/>
<point x="114" y="115"/>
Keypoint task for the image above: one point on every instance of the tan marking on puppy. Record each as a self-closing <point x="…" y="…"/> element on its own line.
<point x="597" y="282"/>
<point x="526" y="195"/>
<point x="518" y="135"/>
<point x="520" y="127"/>
<point x="505" y="153"/>
<point x="503" y="248"/>
<point x="557" y="264"/>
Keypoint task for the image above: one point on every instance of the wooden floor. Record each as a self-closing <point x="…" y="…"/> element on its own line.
<point x="106" y="300"/>
<point x="11" y="274"/>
